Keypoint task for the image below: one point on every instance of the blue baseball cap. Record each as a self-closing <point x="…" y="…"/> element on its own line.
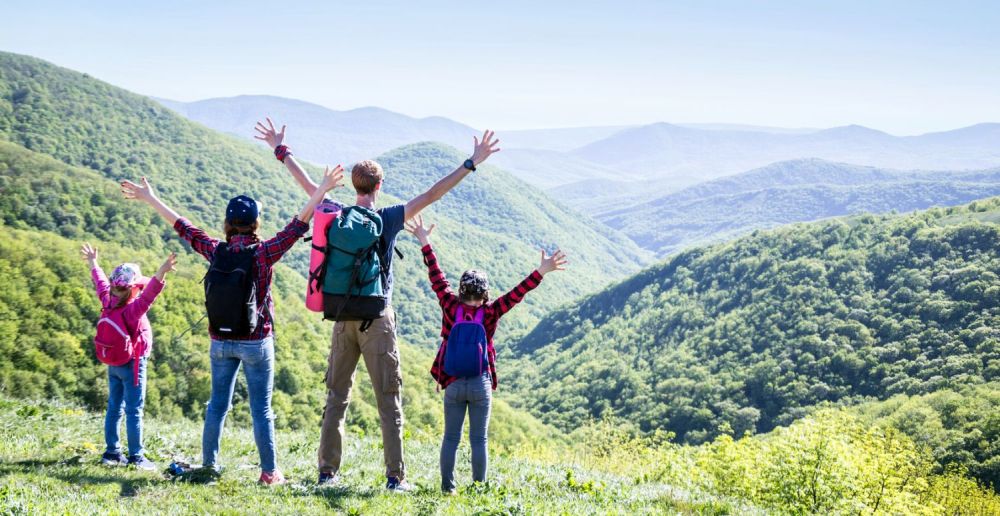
<point x="242" y="211"/>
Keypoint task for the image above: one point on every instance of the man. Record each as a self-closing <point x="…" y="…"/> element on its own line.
<point x="377" y="345"/>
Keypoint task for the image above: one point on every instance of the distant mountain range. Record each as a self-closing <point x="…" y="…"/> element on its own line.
<point x="787" y="192"/>
<point x="680" y="156"/>
<point x="648" y="160"/>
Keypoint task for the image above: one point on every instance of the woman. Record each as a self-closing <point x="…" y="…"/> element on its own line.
<point x="252" y="344"/>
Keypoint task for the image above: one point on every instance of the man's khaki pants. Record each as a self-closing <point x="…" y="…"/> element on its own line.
<point x="378" y="347"/>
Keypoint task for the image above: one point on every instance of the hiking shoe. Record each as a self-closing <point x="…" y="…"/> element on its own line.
<point x="274" y="478"/>
<point x="396" y="485"/>
<point x="327" y="479"/>
<point x="141" y="462"/>
<point x="113" y="459"/>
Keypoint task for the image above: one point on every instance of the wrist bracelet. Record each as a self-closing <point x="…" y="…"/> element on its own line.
<point x="281" y="152"/>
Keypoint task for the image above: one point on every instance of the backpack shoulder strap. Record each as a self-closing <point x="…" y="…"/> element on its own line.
<point x="460" y="314"/>
<point x="480" y="316"/>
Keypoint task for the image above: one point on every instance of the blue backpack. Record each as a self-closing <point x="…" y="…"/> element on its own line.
<point x="465" y="356"/>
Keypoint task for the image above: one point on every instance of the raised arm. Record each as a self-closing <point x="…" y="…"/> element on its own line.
<point x="555" y="262"/>
<point x="139" y="307"/>
<point x="144" y="193"/>
<point x="97" y="274"/>
<point x="483" y="149"/>
<point x="276" y="247"/>
<point x="439" y="283"/>
<point x="199" y="240"/>
<point x="274" y="138"/>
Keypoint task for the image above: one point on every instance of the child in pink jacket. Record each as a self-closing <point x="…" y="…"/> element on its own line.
<point x="126" y="297"/>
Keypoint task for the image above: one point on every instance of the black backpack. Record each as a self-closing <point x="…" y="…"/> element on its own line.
<point x="231" y="292"/>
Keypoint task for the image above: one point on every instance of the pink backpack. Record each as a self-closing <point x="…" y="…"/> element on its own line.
<point x="114" y="342"/>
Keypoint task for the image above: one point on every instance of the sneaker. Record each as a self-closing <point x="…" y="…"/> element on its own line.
<point x="449" y="492"/>
<point x="274" y="478"/>
<point x="141" y="462"/>
<point x="113" y="459"/>
<point x="396" y="485"/>
<point x="327" y="479"/>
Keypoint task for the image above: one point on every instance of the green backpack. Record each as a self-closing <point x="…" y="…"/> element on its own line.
<point x="353" y="273"/>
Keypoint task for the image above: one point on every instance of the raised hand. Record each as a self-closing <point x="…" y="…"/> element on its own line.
<point x="332" y="178"/>
<point x="556" y="262"/>
<point x="143" y="192"/>
<point x="416" y="226"/>
<point x="485" y="147"/>
<point x="89" y="253"/>
<point x="170" y="264"/>
<point x="269" y="134"/>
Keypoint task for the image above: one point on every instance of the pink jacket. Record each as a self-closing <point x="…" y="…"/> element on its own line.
<point x="135" y="310"/>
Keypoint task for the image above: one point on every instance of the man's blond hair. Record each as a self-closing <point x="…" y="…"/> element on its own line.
<point x="366" y="175"/>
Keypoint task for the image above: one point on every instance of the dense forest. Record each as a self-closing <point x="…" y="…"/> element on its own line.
<point x="744" y="336"/>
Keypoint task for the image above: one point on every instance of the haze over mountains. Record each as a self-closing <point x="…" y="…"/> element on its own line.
<point x="656" y="158"/>
<point x="786" y="192"/>
<point x="668" y="186"/>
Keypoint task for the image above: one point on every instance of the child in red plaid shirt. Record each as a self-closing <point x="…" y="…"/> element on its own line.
<point x="470" y="394"/>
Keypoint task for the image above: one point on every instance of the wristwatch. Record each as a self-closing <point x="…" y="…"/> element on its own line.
<point x="469" y="164"/>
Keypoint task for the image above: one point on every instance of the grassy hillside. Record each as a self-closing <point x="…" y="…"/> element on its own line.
<point x="743" y="336"/>
<point x="824" y="464"/>
<point x="788" y="192"/>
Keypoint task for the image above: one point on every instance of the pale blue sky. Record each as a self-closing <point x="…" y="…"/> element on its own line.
<point x="901" y="66"/>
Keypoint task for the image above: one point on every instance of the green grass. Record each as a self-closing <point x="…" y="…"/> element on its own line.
<point x="49" y="454"/>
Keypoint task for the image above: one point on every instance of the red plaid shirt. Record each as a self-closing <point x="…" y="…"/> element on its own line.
<point x="268" y="253"/>
<point x="491" y="317"/>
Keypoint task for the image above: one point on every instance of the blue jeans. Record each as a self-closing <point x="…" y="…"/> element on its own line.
<point x="475" y="395"/>
<point x="128" y="399"/>
<point x="257" y="357"/>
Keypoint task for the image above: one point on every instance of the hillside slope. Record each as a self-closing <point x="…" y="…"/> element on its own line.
<point x="743" y="336"/>
<point x="788" y="192"/>
<point x="88" y="124"/>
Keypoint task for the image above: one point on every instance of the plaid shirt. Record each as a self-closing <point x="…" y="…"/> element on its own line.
<point x="491" y="317"/>
<point x="268" y="253"/>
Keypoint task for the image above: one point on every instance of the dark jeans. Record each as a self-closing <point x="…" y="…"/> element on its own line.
<point x="474" y="395"/>
<point x="125" y="397"/>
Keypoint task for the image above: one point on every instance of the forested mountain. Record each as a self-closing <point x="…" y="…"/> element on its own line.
<point x="85" y="136"/>
<point x="787" y="192"/>
<point x="680" y="156"/>
<point x="91" y="125"/>
<point x="746" y="335"/>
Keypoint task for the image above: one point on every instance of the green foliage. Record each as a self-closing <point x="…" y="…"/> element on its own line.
<point x="48" y="311"/>
<point x="744" y="336"/>
<point x="960" y="426"/>
<point x="833" y="463"/>
<point x="89" y="124"/>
